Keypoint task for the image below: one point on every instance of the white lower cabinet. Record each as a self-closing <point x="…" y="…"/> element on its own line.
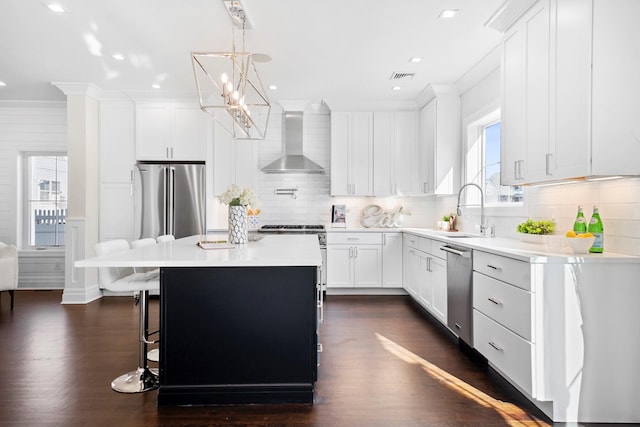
<point x="503" y="316"/>
<point x="354" y="260"/>
<point x="425" y="274"/>
<point x="392" y="260"/>
<point x="505" y="350"/>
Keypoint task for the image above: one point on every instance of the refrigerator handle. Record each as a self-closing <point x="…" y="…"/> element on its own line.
<point x="170" y="199"/>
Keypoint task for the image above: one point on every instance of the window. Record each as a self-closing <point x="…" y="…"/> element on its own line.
<point x="45" y="184"/>
<point x="483" y="163"/>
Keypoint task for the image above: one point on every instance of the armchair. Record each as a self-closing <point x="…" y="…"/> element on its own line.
<point x="8" y="269"/>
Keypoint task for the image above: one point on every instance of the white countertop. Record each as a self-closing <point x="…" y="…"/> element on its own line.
<point x="517" y="249"/>
<point x="272" y="250"/>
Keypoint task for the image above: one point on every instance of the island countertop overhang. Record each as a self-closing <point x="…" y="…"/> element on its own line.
<point x="272" y="250"/>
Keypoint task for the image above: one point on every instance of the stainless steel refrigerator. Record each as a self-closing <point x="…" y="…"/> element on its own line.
<point x="169" y="199"/>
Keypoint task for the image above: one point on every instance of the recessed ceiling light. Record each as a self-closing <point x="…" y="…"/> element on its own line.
<point x="448" y="13"/>
<point x="155" y="86"/>
<point x="55" y="7"/>
<point x="415" y="59"/>
<point x="273" y="87"/>
<point x="3" y="84"/>
<point x="396" y="88"/>
<point x="118" y="56"/>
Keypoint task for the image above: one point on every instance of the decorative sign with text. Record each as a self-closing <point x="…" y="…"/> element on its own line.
<point x="374" y="216"/>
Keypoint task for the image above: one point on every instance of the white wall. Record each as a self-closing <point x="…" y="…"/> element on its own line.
<point x="29" y="127"/>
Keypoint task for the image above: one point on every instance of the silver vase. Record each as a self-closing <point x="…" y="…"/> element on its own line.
<point x="238" y="228"/>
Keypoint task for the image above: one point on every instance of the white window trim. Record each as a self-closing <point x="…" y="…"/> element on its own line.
<point x="473" y="128"/>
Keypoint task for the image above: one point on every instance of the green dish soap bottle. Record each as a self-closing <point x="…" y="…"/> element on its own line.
<point x="580" y="225"/>
<point x="596" y="228"/>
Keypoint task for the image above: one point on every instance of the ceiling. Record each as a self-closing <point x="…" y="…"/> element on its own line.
<point x="336" y="50"/>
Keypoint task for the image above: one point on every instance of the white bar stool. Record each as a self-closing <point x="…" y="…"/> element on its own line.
<point x="124" y="279"/>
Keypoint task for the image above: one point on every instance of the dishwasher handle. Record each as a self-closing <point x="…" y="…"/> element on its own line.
<point x="462" y="253"/>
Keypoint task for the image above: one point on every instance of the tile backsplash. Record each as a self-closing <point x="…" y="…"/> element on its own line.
<point x="618" y="202"/>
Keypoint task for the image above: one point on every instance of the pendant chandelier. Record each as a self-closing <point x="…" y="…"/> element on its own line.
<point x="230" y="89"/>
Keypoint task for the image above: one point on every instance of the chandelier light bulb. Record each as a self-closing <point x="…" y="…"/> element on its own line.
<point x="224" y="78"/>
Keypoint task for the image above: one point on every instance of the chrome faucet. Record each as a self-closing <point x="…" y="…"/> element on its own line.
<point x="483" y="226"/>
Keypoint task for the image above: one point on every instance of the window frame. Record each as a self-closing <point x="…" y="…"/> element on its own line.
<point x="473" y="170"/>
<point x="25" y="183"/>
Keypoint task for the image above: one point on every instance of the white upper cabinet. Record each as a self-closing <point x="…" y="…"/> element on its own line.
<point x="395" y="167"/>
<point x="570" y="103"/>
<point x="439" y="143"/>
<point x="171" y="131"/>
<point x="351" y="154"/>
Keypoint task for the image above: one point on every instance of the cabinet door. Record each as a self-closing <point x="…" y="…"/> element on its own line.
<point x="405" y="158"/>
<point x="615" y="100"/>
<point x="537" y="74"/>
<point x="340" y="129"/>
<point x="570" y="107"/>
<point x="188" y="133"/>
<point x="427" y="148"/>
<point x="153" y="132"/>
<point x="367" y="266"/>
<point x="439" y="281"/>
<point x="392" y="260"/>
<point x="361" y="154"/>
<point x="425" y="281"/>
<point x="383" y="154"/>
<point x="339" y="266"/>
<point x="413" y="273"/>
<point x="117" y="144"/>
<point x="512" y="143"/>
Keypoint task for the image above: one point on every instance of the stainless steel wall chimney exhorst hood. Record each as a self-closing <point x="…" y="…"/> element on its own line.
<point x="292" y="160"/>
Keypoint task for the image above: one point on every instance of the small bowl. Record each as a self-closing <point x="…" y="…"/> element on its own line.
<point x="580" y="245"/>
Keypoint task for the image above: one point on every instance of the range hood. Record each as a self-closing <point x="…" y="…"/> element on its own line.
<point x="292" y="160"/>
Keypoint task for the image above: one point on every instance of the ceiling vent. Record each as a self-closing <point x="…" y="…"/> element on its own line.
<point x="401" y="76"/>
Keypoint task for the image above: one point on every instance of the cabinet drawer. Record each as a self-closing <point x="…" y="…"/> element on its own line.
<point x="354" y="238"/>
<point x="506" y="304"/>
<point x="435" y="249"/>
<point x="411" y="241"/>
<point x="506" y="351"/>
<point x="425" y="245"/>
<point x="508" y="270"/>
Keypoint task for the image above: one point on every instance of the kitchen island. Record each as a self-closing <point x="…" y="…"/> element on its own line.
<point x="237" y="325"/>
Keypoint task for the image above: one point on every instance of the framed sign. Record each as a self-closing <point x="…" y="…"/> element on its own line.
<point x="339" y="216"/>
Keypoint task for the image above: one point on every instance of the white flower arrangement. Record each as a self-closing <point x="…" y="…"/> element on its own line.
<point x="238" y="196"/>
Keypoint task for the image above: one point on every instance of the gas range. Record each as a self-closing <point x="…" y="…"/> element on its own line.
<point x="296" y="229"/>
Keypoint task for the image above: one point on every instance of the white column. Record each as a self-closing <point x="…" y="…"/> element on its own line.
<point x="81" y="285"/>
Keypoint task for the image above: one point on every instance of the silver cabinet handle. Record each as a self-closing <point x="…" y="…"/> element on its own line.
<point x="167" y="151"/>
<point x="356" y="251"/>
<point x="425" y="187"/>
<point x="492" y="344"/>
<point x="172" y="152"/>
<point x="351" y="252"/>
<point x="548" y="164"/>
<point x="493" y="267"/>
<point x="353" y="238"/>
<point x="495" y="301"/>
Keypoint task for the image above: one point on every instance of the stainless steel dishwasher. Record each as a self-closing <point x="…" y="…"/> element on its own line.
<point x="460" y="292"/>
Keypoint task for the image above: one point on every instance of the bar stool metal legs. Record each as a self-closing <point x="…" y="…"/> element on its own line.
<point x="142" y="379"/>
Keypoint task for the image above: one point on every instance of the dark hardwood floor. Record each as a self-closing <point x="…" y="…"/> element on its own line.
<point x="384" y="364"/>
